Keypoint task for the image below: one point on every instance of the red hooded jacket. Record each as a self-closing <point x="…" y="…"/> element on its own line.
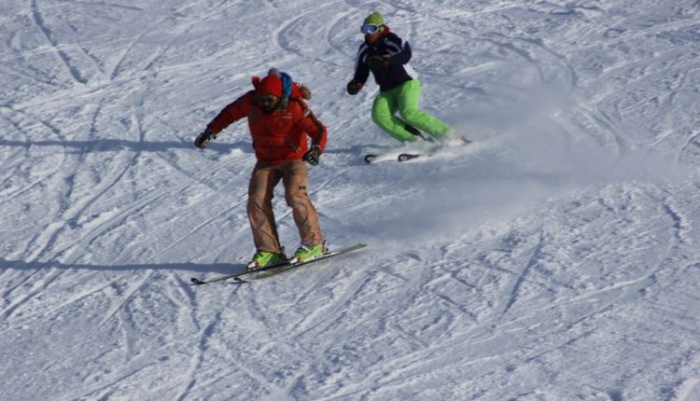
<point x="278" y="137"/>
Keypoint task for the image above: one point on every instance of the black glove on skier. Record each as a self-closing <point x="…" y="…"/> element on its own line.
<point x="354" y="87"/>
<point x="203" y="139"/>
<point x="313" y="155"/>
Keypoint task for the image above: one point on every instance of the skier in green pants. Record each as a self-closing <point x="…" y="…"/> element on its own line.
<point x="387" y="56"/>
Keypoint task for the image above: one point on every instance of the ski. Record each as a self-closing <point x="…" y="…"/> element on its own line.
<point x="372" y="158"/>
<point x="273" y="269"/>
<point x="407" y="156"/>
<point x="197" y="281"/>
<point x="261" y="274"/>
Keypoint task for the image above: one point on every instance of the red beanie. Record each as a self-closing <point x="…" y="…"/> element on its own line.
<point x="270" y="85"/>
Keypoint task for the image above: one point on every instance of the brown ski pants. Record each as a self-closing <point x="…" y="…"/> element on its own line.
<point x="294" y="177"/>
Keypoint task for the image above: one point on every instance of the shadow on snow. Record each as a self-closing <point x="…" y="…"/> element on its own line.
<point x="114" y="145"/>
<point x="195" y="268"/>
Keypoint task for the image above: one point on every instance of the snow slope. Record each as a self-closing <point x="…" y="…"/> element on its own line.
<point x="555" y="259"/>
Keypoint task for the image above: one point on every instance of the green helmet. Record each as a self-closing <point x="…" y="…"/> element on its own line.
<point x="374" y="19"/>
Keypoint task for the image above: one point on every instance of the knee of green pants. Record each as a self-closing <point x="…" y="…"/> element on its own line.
<point x="393" y="126"/>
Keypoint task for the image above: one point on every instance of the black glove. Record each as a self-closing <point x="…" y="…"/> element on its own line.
<point x="313" y="155"/>
<point x="354" y="87"/>
<point x="375" y="62"/>
<point x="203" y="139"/>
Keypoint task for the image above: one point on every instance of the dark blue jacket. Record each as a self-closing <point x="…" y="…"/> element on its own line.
<point x="391" y="75"/>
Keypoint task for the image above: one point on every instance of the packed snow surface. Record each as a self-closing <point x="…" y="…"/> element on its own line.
<point x="555" y="258"/>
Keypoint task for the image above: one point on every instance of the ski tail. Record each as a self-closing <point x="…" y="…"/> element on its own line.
<point x="197" y="281"/>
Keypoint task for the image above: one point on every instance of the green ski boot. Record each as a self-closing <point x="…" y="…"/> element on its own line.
<point x="264" y="258"/>
<point x="306" y="253"/>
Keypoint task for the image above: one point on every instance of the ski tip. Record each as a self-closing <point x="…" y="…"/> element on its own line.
<point x="196" y="281"/>
<point x="407" y="156"/>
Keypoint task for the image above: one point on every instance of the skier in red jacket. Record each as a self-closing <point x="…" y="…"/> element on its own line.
<point x="279" y="127"/>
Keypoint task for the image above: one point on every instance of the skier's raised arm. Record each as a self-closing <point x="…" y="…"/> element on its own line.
<point x="235" y="111"/>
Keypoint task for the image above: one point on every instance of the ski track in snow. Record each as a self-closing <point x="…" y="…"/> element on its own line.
<point x="554" y="258"/>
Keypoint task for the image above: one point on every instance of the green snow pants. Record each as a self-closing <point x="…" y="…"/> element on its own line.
<point x="404" y="99"/>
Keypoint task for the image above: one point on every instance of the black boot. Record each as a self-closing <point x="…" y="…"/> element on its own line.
<point x="414" y="131"/>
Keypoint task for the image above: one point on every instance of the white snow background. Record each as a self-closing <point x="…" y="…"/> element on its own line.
<point x="557" y="258"/>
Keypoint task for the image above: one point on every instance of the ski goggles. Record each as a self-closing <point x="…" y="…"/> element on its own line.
<point x="370" y="28"/>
